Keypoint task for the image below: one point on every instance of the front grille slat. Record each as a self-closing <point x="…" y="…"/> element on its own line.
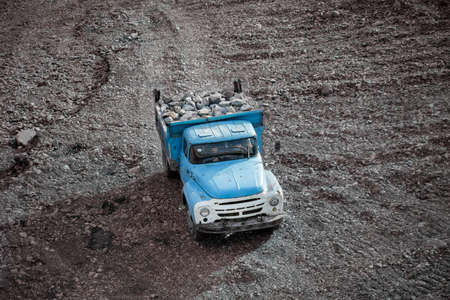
<point x="237" y="201"/>
<point x="235" y="214"/>
<point x="240" y="207"/>
<point x="253" y="211"/>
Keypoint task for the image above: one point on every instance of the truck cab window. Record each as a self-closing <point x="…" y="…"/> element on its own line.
<point x="223" y="151"/>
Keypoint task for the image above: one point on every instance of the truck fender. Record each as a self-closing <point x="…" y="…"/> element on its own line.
<point x="272" y="182"/>
<point x="193" y="194"/>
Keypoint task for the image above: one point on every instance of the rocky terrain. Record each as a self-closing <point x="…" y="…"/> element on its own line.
<point x="356" y="98"/>
<point x="203" y="105"/>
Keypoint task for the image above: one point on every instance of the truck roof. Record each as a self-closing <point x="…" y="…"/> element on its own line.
<point x="219" y="131"/>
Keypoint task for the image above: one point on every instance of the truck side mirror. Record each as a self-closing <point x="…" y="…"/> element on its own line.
<point x="156" y="94"/>
<point x="237" y="86"/>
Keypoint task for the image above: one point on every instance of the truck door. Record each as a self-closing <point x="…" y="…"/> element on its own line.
<point x="184" y="163"/>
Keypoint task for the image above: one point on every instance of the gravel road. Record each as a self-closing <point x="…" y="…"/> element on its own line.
<point x="356" y="93"/>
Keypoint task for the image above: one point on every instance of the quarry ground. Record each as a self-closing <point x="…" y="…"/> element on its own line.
<point x="355" y="92"/>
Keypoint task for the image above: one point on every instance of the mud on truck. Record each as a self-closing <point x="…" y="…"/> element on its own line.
<point x="213" y="142"/>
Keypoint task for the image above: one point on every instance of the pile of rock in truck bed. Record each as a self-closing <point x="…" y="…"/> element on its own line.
<point x="202" y="105"/>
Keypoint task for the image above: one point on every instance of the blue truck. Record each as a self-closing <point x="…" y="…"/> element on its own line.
<point x="219" y="161"/>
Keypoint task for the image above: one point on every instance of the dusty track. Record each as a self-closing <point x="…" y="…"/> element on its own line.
<point x="365" y="165"/>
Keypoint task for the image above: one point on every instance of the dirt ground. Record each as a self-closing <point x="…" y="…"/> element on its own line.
<point x="357" y="93"/>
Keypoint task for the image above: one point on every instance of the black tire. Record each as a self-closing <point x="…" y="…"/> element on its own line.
<point x="167" y="170"/>
<point x="192" y="228"/>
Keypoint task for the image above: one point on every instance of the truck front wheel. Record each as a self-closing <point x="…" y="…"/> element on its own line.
<point x="192" y="228"/>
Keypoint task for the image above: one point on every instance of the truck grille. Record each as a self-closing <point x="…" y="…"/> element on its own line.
<point x="238" y="208"/>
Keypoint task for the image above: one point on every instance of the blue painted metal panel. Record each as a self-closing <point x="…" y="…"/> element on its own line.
<point x="219" y="132"/>
<point x="230" y="179"/>
<point x="194" y="194"/>
<point x="171" y="134"/>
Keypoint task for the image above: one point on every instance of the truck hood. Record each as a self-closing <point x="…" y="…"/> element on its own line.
<point x="231" y="179"/>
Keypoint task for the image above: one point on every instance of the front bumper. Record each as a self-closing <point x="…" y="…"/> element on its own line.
<point x="230" y="226"/>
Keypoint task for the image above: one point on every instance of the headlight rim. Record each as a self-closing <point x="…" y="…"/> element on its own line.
<point x="204" y="211"/>
<point x="275" y="200"/>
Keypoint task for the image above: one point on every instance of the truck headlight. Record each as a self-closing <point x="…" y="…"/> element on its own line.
<point x="274" y="201"/>
<point x="204" y="212"/>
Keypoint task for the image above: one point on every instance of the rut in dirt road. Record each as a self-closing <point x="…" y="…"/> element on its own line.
<point x="151" y="252"/>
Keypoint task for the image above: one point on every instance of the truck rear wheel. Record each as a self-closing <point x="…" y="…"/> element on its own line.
<point x="167" y="170"/>
<point x="192" y="228"/>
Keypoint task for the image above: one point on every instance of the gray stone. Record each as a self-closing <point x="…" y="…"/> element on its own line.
<point x="218" y="110"/>
<point x="204" y="111"/>
<point x="188" y="107"/>
<point x="225" y="103"/>
<point x="174" y="103"/>
<point x="147" y="199"/>
<point x="246" y="107"/>
<point x="163" y="107"/>
<point x="236" y="96"/>
<point x="203" y="102"/>
<point x="181" y="112"/>
<point x="185" y="118"/>
<point x="165" y="114"/>
<point x="325" y="90"/>
<point x="205" y="94"/>
<point x="24" y="137"/>
<point x="228" y="94"/>
<point x="215" y="98"/>
<point x="197" y="98"/>
<point x="231" y="110"/>
<point x="191" y="103"/>
<point x="173" y="115"/>
<point x="199" y="105"/>
<point x="237" y="102"/>
<point x="434" y="243"/>
<point x="335" y="13"/>
<point x="168" y="120"/>
<point x="188" y="96"/>
<point x="176" y="108"/>
<point x="188" y="116"/>
<point x="135" y="171"/>
<point x="166" y="100"/>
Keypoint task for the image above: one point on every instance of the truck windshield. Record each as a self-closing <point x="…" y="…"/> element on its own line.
<point x="228" y="150"/>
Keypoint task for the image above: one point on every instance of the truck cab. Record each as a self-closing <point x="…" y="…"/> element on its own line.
<point x="225" y="186"/>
